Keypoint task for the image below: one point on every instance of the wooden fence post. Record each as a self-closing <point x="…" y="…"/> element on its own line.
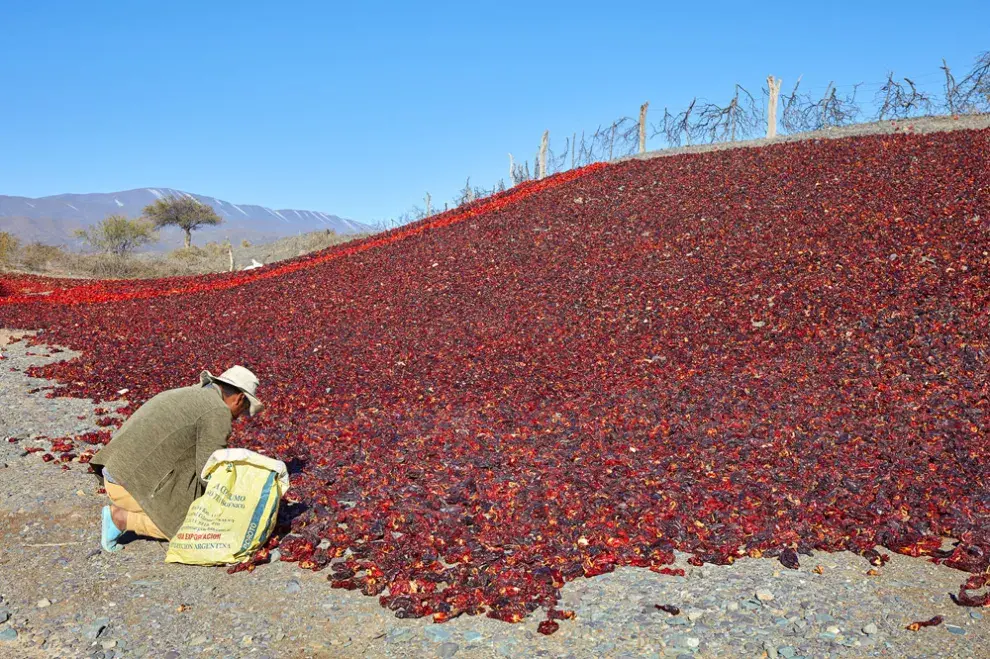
<point x="642" y="126"/>
<point x="773" y="85"/>
<point x="543" y="153"/>
<point x="828" y="91"/>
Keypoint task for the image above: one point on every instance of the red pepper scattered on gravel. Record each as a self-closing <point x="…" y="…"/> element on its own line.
<point x="933" y="622"/>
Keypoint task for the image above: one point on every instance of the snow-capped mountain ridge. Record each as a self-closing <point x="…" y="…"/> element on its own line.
<point x="54" y="219"/>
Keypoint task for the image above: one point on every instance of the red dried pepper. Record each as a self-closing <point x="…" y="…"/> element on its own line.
<point x="722" y="354"/>
<point x="975" y="582"/>
<point x="933" y="622"/>
<point x="789" y="559"/>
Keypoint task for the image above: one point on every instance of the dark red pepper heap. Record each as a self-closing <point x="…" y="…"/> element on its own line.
<point x="756" y="352"/>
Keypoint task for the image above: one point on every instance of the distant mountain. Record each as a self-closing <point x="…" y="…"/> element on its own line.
<point x="53" y="219"/>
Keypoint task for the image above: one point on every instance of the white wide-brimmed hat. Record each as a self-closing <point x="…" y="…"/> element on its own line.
<point x="240" y="378"/>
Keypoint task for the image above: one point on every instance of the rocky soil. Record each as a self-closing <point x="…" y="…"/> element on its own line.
<point x="60" y="596"/>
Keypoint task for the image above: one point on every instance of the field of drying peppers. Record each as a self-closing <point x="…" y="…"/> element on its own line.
<point x="739" y="353"/>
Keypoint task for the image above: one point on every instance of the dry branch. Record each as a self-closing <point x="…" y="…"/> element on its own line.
<point x="898" y="100"/>
<point x="737" y="119"/>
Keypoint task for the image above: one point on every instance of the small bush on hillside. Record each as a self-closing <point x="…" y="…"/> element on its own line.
<point x="8" y="248"/>
<point x="118" y="236"/>
<point x="111" y="266"/>
<point x="218" y="249"/>
<point x="39" y="257"/>
<point x="191" y="260"/>
<point x="321" y="240"/>
<point x="187" y="254"/>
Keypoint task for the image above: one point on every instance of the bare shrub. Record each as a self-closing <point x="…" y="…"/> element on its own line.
<point x="520" y="172"/>
<point x="676" y="128"/>
<point x="319" y="240"/>
<point x="739" y="118"/>
<point x="557" y="160"/>
<point x="619" y="139"/>
<point x="112" y="266"/>
<point x="897" y="100"/>
<point x="188" y="254"/>
<point x="972" y="93"/>
<point x="40" y="257"/>
<point x="217" y="250"/>
<point x="8" y="248"/>
<point x="192" y="260"/>
<point x="465" y="196"/>
<point x="803" y="112"/>
<point x="469" y="193"/>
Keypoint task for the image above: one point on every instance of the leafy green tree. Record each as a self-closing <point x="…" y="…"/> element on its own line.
<point x="184" y="212"/>
<point x="119" y="236"/>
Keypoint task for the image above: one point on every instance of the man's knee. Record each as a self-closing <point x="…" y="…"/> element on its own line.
<point x="121" y="498"/>
<point x="119" y="516"/>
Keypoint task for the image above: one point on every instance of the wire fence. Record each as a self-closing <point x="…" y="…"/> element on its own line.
<point x="745" y="115"/>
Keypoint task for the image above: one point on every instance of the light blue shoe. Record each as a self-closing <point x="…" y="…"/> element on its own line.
<point x="109" y="533"/>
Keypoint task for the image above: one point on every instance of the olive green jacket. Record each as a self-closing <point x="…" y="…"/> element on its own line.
<point x="159" y="452"/>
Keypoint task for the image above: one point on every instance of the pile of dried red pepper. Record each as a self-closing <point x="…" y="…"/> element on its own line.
<point x="738" y="353"/>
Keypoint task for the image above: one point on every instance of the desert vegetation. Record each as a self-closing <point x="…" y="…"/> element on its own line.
<point x="9" y="246"/>
<point x="116" y="238"/>
<point x="109" y="258"/>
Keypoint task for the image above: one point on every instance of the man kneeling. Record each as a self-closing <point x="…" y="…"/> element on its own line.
<point x="151" y="468"/>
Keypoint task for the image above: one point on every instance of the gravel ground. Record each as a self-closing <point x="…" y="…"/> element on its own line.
<point x="63" y="597"/>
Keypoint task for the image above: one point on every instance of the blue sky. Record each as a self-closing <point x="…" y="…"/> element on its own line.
<point x="360" y="110"/>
